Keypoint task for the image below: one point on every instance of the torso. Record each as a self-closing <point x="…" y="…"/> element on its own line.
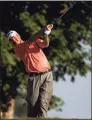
<point x="33" y="57"/>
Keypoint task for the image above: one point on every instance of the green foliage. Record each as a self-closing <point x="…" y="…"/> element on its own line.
<point x="70" y="40"/>
<point x="6" y="87"/>
<point x="31" y="22"/>
<point x="7" y="58"/>
<point x="56" y="103"/>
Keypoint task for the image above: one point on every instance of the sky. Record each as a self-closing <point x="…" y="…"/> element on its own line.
<point x="77" y="97"/>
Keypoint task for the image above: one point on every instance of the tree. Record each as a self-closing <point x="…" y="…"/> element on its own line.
<point x="66" y="52"/>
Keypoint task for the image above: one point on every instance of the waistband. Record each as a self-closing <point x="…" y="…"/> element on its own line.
<point x="38" y="73"/>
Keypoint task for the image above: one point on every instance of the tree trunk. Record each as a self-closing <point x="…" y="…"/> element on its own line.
<point x="9" y="114"/>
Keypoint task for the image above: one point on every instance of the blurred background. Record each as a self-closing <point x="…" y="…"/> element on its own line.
<point x="69" y="54"/>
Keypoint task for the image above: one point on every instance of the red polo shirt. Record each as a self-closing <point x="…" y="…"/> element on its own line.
<point x="32" y="56"/>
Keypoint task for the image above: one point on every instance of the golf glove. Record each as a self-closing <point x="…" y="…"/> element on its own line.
<point x="47" y="32"/>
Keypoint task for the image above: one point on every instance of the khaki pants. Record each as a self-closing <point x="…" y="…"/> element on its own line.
<point x="39" y="92"/>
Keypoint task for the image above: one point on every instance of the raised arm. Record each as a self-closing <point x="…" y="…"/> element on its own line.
<point x="46" y="34"/>
<point x="42" y="33"/>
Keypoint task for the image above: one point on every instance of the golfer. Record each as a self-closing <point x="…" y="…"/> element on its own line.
<point x="40" y="81"/>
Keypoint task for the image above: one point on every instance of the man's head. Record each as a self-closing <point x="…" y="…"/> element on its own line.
<point x="14" y="37"/>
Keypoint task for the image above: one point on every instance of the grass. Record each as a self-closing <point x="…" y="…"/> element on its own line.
<point x="45" y="119"/>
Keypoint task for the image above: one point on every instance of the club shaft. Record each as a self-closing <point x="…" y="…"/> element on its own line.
<point x="56" y="20"/>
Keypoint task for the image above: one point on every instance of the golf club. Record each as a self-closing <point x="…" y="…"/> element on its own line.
<point x="66" y="10"/>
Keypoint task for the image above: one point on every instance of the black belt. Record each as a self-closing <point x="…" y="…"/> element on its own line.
<point x="38" y="73"/>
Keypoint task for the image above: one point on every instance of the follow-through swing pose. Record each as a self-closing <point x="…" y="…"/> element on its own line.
<point x="40" y="81"/>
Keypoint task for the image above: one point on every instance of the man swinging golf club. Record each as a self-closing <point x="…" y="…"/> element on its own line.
<point x="40" y="81"/>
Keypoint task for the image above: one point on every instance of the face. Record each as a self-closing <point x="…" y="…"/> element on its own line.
<point x="15" y="40"/>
